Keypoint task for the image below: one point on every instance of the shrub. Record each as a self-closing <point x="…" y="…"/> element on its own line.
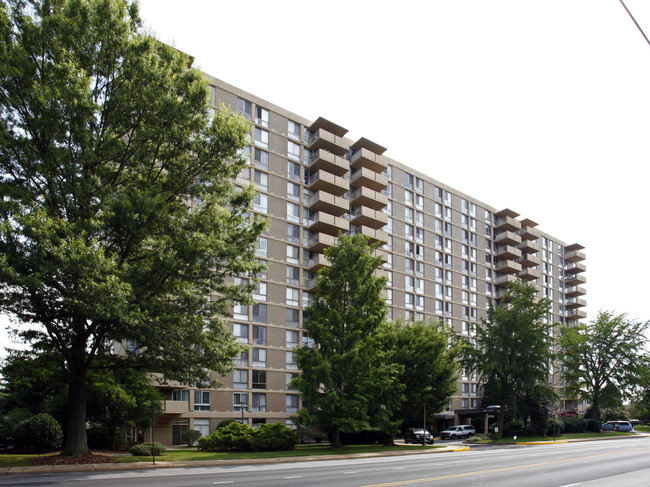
<point x="145" y="449"/>
<point x="99" y="437"/>
<point x="8" y="424"/>
<point x="368" y="437"/>
<point x="318" y="436"/>
<point x="594" y="425"/>
<point x="574" y="425"/>
<point x="274" y="437"/>
<point x="513" y="428"/>
<point x="556" y="427"/>
<point x="39" y="433"/>
<point x="225" y="422"/>
<point x="233" y="436"/>
<point x="190" y="436"/>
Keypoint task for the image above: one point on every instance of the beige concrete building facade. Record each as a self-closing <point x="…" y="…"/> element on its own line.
<point x="446" y="255"/>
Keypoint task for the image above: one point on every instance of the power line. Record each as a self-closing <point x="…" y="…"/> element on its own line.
<point x="635" y="22"/>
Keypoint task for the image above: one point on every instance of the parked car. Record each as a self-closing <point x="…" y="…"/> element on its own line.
<point x="624" y="426"/>
<point x="460" y="431"/>
<point x="414" y="435"/>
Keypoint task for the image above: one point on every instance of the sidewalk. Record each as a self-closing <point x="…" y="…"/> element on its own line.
<point x="105" y="467"/>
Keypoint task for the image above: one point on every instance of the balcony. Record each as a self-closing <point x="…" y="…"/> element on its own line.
<point x="322" y="139"/>
<point x="529" y="274"/>
<point x="369" y="179"/>
<point x="369" y="198"/>
<point x="506" y="223"/>
<point x="574" y="256"/>
<point x="328" y="182"/>
<point x="575" y="267"/>
<point x="375" y="235"/>
<point x="528" y="233"/>
<point x="574" y="280"/>
<point x="507" y="238"/>
<point x="331" y="163"/>
<point x="320" y="242"/>
<point x="529" y="247"/>
<point x="508" y="252"/>
<point x="316" y="262"/>
<point x="363" y="216"/>
<point x="575" y="303"/>
<point x="507" y="267"/>
<point x="332" y="225"/>
<point x="576" y="314"/>
<point x="364" y="158"/>
<point x="177" y="407"/>
<point x="505" y="280"/>
<point x="334" y="205"/>
<point x="310" y="285"/>
<point x="575" y="291"/>
<point x="528" y="260"/>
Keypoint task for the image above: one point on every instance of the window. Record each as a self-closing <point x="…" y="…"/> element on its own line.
<point x="408" y="197"/>
<point x="389" y="296"/>
<point x="240" y="333"/>
<point x="262" y="247"/>
<point x="293" y="150"/>
<point x="260" y="292"/>
<point x="259" y="357"/>
<point x="408" y="180"/>
<point x="419" y="252"/>
<point x="240" y="401"/>
<point x="293" y="275"/>
<point x="292" y="297"/>
<point x="201" y="400"/>
<point x="259" y="335"/>
<point x="409" y="265"/>
<point x="409" y="300"/>
<point x="419" y="218"/>
<point x="261" y="203"/>
<point x="259" y="379"/>
<point x="291" y="339"/>
<point x="261" y="116"/>
<point x="291" y="404"/>
<point x="293" y="191"/>
<point x="290" y="361"/>
<point x="419" y="202"/>
<point x="261" y="138"/>
<point x="419" y="269"/>
<point x="288" y="378"/>
<point x="388" y="209"/>
<point x="408" y="232"/>
<point x="244" y="108"/>
<point x="261" y="180"/>
<point x="409" y="249"/>
<point x="447" y="213"/>
<point x="262" y="159"/>
<point x="293" y="318"/>
<point x="409" y="283"/>
<point x="293" y="130"/>
<point x="259" y="402"/>
<point x="259" y="313"/>
<point x="419" y="235"/>
<point x="408" y="214"/>
<point x="242" y="359"/>
<point x="293" y="254"/>
<point x="419" y="185"/>
<point x="240" y="379"/>
<point x="293" y="233"/>
<point x="181" y="395"/>
<point x="293" y="171"/>
<point x="293" y="212"/>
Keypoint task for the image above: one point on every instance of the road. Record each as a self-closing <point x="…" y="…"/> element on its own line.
<point x="587" y="464"/>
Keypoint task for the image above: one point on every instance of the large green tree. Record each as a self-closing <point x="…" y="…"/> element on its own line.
<point x="428" y="356"/>
<point x="347" y="381"/>
<point x="604" y="360"/>
<point x="119" y="218"/>
<point x="513" y="351"/>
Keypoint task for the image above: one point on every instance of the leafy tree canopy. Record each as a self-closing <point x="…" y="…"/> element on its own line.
<point x="119" y="218"/>
<point x="513" y="351"/>
<point x="347" y="382"/>
<point x="604" y="360"/>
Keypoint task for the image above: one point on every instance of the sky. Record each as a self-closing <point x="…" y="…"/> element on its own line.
<point x="540" y="106"/>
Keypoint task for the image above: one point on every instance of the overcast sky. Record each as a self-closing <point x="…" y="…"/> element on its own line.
<point x="541" y="106"/>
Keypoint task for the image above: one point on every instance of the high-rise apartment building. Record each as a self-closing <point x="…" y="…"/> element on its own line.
<point x="445" y="253"/>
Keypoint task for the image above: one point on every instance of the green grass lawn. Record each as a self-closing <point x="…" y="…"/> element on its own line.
<point x="644" y="428"/>
<point x="564" y="436"/>
<point x="13" y="460"/>
<point x="192" y="454"/>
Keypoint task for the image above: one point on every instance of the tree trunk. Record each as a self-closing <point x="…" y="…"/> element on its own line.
<point x="76" y="442"/>
<point x="336" y="438"/>
<point x="113" y="431"/>
<point x="500" y="418"/>
<point x="595" y="407"/>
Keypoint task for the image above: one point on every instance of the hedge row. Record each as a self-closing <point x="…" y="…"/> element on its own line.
<point x="241" y="437"/>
